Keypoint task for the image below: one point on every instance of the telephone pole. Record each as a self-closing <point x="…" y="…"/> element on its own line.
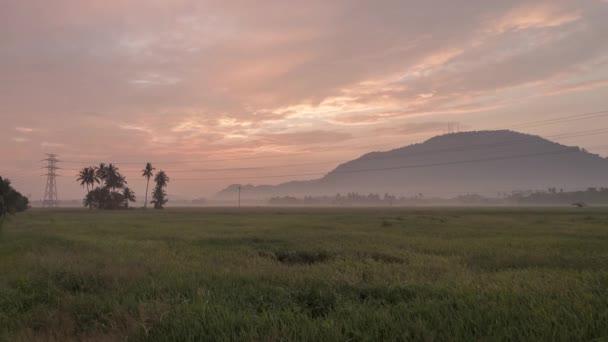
<point x="50" y="190"/>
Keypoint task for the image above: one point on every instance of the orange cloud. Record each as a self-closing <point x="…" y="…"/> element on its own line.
<point x="530" y="16"/>
<point x="575" y="88"/>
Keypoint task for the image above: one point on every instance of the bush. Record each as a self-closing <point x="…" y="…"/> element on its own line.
<point x="11" y="200"/>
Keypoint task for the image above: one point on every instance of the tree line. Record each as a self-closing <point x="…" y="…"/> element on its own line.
<point x="549" y="196"/>
<point x="351" y="198"/>
<point x="11" y="200"/>
<point x="107" y="187"/>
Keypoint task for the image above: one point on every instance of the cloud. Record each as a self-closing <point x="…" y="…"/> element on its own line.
<point x="51" y="144"/>
<point x="24" y="129"/>
<point x="137" y="128"/>
<point x="306" y="137"/>
<point x="153" y="79"/>
<point x="20" y="139"/>
<point x="576" y="87"/>
<point x="535" y="16"/>
<point x="243" y="59"/>
<point x="186" y="77"/>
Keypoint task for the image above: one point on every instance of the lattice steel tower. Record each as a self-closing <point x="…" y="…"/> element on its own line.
<point x="50" y="191"/>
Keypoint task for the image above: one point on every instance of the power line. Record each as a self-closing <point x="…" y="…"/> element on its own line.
<point x="519" y="126"/>
<point x="423" y="152"/>
<point x="427" y="152"/>
<point x="395" y="167"/>
<point x="496" y="144"/>
<point x="233" y="169"/>
<point x="187" y="161"/>
<point x="562" y="119"/>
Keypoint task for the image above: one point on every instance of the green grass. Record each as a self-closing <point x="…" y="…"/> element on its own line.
<point x="305" y="274"/>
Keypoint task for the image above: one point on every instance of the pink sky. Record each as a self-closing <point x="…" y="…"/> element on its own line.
<point x="308" y="84"/>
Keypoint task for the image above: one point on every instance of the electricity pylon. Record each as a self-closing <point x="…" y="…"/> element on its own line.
<point x="50" y="191"/>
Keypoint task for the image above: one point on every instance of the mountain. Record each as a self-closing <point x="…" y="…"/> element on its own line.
<point x="485" y="162"/>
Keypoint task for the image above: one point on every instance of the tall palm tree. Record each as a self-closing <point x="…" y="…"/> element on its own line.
<point x="122" y="181"/>
<point x="148" y="172"/>
<point x="102" y="172"/>
<point x="114" y="180"/>
<point x="128" y="195"/>
<point x="111" y="168"/>
<point x="88" y="176"/>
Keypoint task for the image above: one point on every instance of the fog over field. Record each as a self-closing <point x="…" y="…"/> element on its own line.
<point x="344" y="170"/>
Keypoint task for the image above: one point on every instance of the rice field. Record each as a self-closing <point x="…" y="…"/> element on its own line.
<point x="274" y="274"/>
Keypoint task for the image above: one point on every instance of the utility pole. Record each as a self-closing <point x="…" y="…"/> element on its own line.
<point x="50" y="191"/>
<point x="239" y="195"/>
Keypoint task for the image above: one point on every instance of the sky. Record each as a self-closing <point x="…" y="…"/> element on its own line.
<point x="221" y="92"/>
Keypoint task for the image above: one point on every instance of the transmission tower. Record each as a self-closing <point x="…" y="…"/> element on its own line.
<point x="50" y="191"/>
<point x="453" y="127"/>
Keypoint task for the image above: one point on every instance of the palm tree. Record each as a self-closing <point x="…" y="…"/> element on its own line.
<point x="114" y="180"/>
<point x="102" y="172"/>
<point x="106" y="195"/>
<point x="148" y="172"/>
<point x="122" y="181"/>
<point x="158" y="198"/>
<point x="89" y="200"/>
<point x="158" y="195"/>
<point x="161" y="179"/>
<point x="111" y="168"/>
<point x="128" y="195"/>
<point x="88" y="177"/>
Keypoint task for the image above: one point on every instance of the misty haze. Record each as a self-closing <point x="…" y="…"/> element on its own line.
<point x="303" y="171"/>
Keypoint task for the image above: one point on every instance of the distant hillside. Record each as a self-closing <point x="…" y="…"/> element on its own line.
<point x="474" y="162"/>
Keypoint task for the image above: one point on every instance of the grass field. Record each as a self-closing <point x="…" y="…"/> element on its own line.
<point x="305" y="274"/>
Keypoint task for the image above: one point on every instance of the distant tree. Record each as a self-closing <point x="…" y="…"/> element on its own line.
<point x="128" y="196"/>
<point x="4" y="188"/>
<point x="101" y="172"/>
<point x="99" y="198"/>
<point x="113" y="179"/>
<point x="159" y="195"/>
<point x="159" y="198"/>
<point x="11" y="200"/>
<point x="388" y="198"/>
<point x="161" y="179"/>
<point x="89" y="200"/>
<point x="147" y="173"/>
<point x="88" y="176"/>
<point x="106" y="195"/>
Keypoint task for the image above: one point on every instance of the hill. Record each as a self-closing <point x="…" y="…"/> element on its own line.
<point x="485" y="162"/>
